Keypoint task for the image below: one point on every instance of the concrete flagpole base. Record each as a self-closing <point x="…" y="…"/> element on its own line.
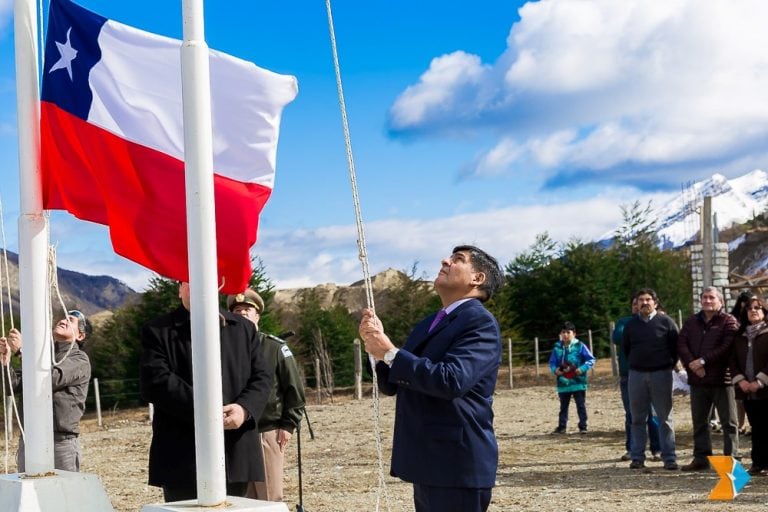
<point x="233" y="504"/>
<point x="61" y="491"/>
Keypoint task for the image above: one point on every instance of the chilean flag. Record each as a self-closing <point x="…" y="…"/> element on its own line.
<point x="113" y="142"/>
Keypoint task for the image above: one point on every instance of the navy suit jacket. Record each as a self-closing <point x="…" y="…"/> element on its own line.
<point x="444" y="382"/>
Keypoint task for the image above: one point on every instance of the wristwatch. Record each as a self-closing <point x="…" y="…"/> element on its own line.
<point x="390" y="356"/>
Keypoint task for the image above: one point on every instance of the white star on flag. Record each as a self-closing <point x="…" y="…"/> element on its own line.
<point x="68" y="54"/>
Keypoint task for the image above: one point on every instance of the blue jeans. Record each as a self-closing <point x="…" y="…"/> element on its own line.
<point x="651" y="390"/>
<point x="653" y="421"/>
<point x="580" y="397"/>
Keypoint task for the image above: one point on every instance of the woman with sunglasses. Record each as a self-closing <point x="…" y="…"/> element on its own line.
<point x="749" y="365"/>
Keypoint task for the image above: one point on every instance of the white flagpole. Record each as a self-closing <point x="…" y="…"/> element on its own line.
<point x="33" y="249"/>
<point x="201" y="233"/>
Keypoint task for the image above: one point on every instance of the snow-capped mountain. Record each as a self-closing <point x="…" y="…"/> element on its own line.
<point x="733" y="201"/>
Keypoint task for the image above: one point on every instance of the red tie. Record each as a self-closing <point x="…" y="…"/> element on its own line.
<point x="438" y="318"/>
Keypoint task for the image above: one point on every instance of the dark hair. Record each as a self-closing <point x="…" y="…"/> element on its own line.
<point x="483" y="262"/>
<point x="568" y="326"/>
<point x="744" y="317"/>
<point x="647" y="291"/>
<point x="741" y="301"/>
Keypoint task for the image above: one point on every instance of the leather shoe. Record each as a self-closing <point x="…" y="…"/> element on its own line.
<point x="757" y="471"/>
<point x="626" y="456"/>
<point x="636" y="464"/>
<point x="671" y="465"/>
<point x="696" y="465"/>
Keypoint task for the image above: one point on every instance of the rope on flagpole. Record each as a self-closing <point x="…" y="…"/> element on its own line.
<point x="54" y="283"/>
<point x="363" y="255"/>
<point x="41" y="17"/>
<point x="3" y="333"/>
<point x="6" y="373"/>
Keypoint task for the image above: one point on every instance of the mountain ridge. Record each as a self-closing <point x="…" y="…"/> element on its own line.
<point x="90" y="294"/>
<point x="734" y="201"/>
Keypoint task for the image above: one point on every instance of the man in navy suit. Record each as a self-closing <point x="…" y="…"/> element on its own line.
<point x="444" y="377"/>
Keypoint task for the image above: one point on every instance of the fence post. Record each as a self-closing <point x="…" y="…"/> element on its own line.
<point x="536" y="355"/>
<point x="612" y="345"/>
<point x="358" y="371"/>
<point x="509" y="349"/>
<point x="98" y="401"/>
<point x="317" y="381"/>
<point x="589" y="337"/>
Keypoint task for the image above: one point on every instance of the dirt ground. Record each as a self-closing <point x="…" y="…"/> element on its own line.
<point x="537" y="470"/>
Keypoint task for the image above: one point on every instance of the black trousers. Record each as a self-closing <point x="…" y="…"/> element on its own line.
<point x="580" y="397"/>
<point x="181" y="493"/>
<point x="450" y="499"/>
<point x="757" y="412"/>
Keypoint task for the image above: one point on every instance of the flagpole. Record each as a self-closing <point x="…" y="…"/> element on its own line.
<point x="201" y="233"/>
<point x="33" y="249"/>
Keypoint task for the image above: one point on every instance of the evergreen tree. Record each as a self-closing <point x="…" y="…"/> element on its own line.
<point x="407" y="303"/>
<point x="590" y="285"/>
<point x="268" y="323"/>
<point x="327" y="333"/>
<point x="638" y="263"/>
<point x="115" y="347"/>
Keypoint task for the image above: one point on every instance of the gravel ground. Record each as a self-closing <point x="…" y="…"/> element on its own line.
<point x="537" y="470"/>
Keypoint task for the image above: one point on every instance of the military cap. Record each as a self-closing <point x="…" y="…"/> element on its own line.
<point x="249" y="297"/>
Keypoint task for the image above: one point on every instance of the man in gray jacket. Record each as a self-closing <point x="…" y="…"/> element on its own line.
<point x="70" y="374"/>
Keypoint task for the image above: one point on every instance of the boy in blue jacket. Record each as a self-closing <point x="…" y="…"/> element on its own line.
<point x="570" y="361"/>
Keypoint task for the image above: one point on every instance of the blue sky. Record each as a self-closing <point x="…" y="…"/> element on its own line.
<point x="481" y="122"/>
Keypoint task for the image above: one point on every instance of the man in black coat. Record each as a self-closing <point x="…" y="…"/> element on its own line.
<point x="166" y="381"/>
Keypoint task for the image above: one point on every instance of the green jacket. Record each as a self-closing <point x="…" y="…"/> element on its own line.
<point x="286" y="401"/>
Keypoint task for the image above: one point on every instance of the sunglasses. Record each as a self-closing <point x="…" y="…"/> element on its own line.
<point x="80" y="319"/>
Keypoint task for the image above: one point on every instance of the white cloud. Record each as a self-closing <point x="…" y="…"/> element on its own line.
<point x="309" y="257"/>
<point x="439" y="89"/>
<point x="6" y="12"/>
<point x="607" y="87"/>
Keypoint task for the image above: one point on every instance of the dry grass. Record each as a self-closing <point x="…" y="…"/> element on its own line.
<point x="537" y="470"/>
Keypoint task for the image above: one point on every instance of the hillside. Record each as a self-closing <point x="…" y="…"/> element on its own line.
<point x="352" y="297"/>
<point x="90" y="294"/>
<point x="734" y="202"/>
<point x="748" y="258"/>
<point x="749" y="253"/>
